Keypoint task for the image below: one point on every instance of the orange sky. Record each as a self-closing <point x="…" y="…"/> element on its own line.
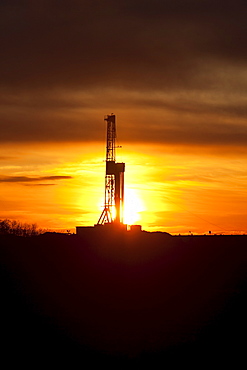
<point x="173" y="73"/>
<point x="62" y="186"/>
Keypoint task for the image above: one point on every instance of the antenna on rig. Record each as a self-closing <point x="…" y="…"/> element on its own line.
<point x="114" y="178"/>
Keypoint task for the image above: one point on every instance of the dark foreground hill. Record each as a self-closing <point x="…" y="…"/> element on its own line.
<point x="124" y="299"/>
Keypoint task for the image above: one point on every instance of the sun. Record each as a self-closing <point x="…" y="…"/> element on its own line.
<point x="133" y="206"/>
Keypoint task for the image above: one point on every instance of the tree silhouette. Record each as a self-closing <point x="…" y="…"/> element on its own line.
<point x="17" y="228"/>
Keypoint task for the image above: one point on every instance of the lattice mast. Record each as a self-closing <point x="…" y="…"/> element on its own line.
<point x="114" y="178"/>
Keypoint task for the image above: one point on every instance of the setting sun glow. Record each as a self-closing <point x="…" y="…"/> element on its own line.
<point x="63" y="186"/>
<point x="133" y="206"/>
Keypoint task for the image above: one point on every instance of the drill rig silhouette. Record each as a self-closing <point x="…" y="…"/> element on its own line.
<point x="114" y="179"/>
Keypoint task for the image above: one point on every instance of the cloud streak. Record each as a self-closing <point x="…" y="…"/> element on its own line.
<point x="26" y="179"/>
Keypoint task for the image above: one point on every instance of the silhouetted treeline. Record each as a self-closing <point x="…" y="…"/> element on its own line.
<point x="17" y="228"/>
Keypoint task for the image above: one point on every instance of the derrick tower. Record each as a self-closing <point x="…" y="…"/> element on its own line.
<point x="114" y="178"/>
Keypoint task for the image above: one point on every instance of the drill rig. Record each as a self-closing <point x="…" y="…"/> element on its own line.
<point x="114" y="179"/>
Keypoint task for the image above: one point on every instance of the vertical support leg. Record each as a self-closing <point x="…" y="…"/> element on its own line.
<point x="117" y="197"/>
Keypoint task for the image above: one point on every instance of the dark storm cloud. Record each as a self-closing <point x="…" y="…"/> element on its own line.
<point x="26" y="179"/>
<point x="132" y="43"/>
<point x="139" y="45"/>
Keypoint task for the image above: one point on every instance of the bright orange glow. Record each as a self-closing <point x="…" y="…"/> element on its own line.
<point x="133" y="206"/>
<point x="164" y="190"/>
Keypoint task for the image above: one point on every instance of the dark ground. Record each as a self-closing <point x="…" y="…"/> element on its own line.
<point x="145" y="299"/>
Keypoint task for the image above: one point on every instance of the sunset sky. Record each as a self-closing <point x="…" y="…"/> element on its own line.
<point x="175" y="75"/>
